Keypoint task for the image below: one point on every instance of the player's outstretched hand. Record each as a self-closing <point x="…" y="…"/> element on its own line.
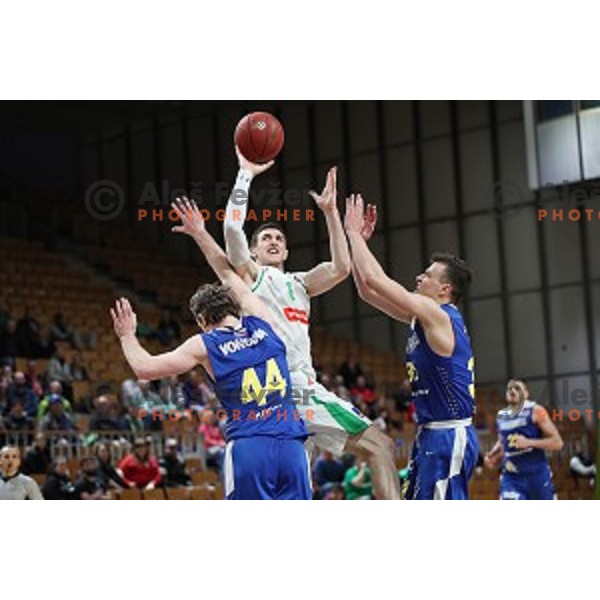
<point x="370" y="221"/>
<point x="192" y="222"/>
<point x="124" y="319"/>
<point x="327" y="200"/>
<point x="354" y="219"/>
<point x="254" y="168"/>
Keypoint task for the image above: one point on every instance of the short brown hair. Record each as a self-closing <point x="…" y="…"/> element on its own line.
<point x="458" y="273"/>
<point x="261" y="228"/>
<point x="213" y="302"/>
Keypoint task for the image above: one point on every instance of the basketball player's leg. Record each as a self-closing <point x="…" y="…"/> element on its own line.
<point x="248" y="469"/>
<point x="378" y="450"/>
<point x="294" y="479"/>
<point x="338" y="426"/>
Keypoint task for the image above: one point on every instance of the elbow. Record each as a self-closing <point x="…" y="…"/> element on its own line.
<point x="342" y="270"/>
<point x="143" y="372"/>
<point x="559" y="445"/>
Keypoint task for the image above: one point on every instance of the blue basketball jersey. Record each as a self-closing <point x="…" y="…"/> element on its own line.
<point x="521" y="461"/>
<point x="252" y="381"/>
<point x="443" y="388"/>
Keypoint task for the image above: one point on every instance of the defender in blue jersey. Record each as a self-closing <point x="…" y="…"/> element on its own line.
<point x="440" y="361"/>
<point x="265" y="456"/>
<point x="525" y="432"/>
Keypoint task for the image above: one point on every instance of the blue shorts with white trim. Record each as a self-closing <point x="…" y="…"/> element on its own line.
<point x="534" y="485"/>
<point x="266" y="468"/>
<point x="441" y="464"/>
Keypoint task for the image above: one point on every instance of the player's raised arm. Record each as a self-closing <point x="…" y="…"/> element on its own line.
<point x="374" y="280"/>
<point x="368" y="294"/>
<point x="328" y="274"/>
<point x="236" y="243"/>
<point x="145" y="366"/>
<point x="192" y="224"/>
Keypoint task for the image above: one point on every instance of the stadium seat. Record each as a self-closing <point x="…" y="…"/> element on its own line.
<point x="178" y="493"/>
<point x="130" y="494"/>
<point x="155" y="494"/>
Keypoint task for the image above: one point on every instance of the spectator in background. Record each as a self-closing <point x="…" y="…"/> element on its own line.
<point x="10" y="346"/>
<point x="107" y="473"/>
<point x="362" y="392"/>
<point x="37" y="458"/>
<point x="169" y="329"/>
<point x="103" y="418"/>
<point x="335" y="493"/>
<point x="90" y="486"/>
<point x="214" y="442"/>
<point x="403" y="396"/>
<point x="18" y="421"/>
<point x="29" y="336"/>
<point x="172" y="468"/>
<point x="139" y="469"/>
<point x="130" y="421"/>
<point x="59" y="486"/>
<point x="328" y="472"/>
<point x="59" y="332"/>
<point x="60" y="370"/>
<point x="77" y="370"/>
<point x="56" y="418"/>
<point x="19" y="392"/>
<point x="149" y="400"/>
<point x="130" y="391"/>
<point x="197" y="392"/>
<point x="350" y="370"/>
<point x="171" y="392"/>
<point x="357" y="482"/>
<point x="54" y="389"/>
<point x="34" y="381"/>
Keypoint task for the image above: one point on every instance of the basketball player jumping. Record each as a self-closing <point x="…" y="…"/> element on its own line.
<point x="440" y="361"/>
<point x="523" y="440"/>
<point x="265" y="456"/>
<point x="335" y="424"/>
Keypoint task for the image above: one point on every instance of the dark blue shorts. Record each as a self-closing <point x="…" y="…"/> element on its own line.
<point x="536" y="485"/>
<point x="441" y="464"/>
<point x="266" y="468"/>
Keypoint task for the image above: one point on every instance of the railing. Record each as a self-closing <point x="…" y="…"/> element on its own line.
<point x="75" y="445"/>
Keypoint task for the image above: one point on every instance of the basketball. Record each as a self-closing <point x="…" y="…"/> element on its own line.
<point x="259" y="136"/>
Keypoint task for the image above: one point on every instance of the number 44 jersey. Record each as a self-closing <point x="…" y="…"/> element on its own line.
<point x="252" y="381"/>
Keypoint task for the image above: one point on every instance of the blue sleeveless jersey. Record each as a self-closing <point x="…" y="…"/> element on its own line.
<point x="521" y="461"/>
<point x="252" y="381"/>
<point x="443" y="388"/>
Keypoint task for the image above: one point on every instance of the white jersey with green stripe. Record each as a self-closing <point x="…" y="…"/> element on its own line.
<point x="288" y="301"/>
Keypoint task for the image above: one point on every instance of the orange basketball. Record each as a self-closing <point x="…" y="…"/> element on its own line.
<point x="259" y="136"/>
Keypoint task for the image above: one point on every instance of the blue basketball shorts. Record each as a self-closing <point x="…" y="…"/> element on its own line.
<point x="533" y="485"/>
<point x="441" y="464"/>
<point x="266" y="468"/>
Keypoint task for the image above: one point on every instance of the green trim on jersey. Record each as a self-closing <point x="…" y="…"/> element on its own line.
<point x="259" y="280"/>
<point x="291" y="291"/>
<point x="350" y="422"/>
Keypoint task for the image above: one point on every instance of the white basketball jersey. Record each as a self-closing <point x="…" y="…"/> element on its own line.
<point x="289" y="303"/>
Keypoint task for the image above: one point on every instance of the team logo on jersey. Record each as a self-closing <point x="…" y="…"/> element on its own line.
<point x="295" y="315"/>
<point x="412" y="343"/>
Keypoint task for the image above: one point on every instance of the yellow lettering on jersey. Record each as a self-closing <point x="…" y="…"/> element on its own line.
<point x="412" y="372"/>
<point x="254" y="391"/>
<point x="471" y="367"/>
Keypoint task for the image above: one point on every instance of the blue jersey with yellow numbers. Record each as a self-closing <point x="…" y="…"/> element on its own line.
<point x="252" y="381"/>
<point x="443" y="388"/>
<point x="515" y="460"/>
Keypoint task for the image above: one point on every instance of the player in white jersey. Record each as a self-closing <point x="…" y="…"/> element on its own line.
<point x="15" y="485"/>
<point x="335" y="424"/>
